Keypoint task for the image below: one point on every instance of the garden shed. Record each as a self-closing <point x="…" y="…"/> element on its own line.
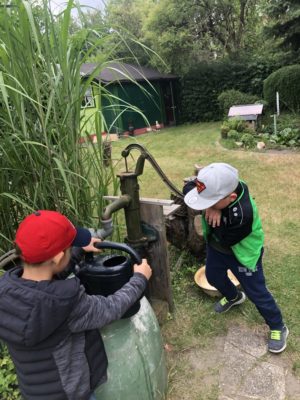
<point x="148" y="91"/>
<point x="248" y="112"/>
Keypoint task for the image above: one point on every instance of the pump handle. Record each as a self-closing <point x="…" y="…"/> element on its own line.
<point x="122" y="247"/>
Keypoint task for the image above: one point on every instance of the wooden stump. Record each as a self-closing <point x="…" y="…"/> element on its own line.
<point x="157" y="254"/>
<point x="195" y="239"/>
<point x="181" y="229"/>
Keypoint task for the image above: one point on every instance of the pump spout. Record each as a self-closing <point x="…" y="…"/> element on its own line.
<point x="116" y="205"/>
<point x="106" y="218"/>
<point x="106" y="230"/>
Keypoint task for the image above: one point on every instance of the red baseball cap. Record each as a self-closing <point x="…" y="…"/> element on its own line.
<point x="44" y="234"/>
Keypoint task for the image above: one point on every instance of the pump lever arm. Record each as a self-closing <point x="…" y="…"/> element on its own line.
<point x="145" y="155"/>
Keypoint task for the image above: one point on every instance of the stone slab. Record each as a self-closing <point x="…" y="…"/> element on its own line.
<point x="245" y="374"/>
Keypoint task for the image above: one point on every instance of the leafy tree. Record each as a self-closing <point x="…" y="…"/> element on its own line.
<point x="183" y="33"/>
<point x="287" y="27"/>
<point x="187" y="32"/>
<point x="167" y="30"/>
<point x="124" y="20"/>
<point x="228" y="23"/>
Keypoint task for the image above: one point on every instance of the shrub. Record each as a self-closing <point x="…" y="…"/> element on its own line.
<point x="224" y="131"/>
<point x="8" y="379"/>
<point x="288" y="121"/>
<point x="283" y="121"/>
<point x="285" y="81"/>
<point x="250" y="130"/>
<point x="237" y="124"/>
<point x="233" y="134"/>
<point x="263" y="102"/>
<point x="233" y="97"/>
<point x="265" y="136"/>
<point x="248" y="140"/>
<point x="287" y="137"/>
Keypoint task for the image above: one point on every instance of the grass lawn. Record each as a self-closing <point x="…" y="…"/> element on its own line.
<point x="274" y="182"/>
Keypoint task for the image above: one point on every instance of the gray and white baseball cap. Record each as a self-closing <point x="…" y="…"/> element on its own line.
<point x="214" y="182"/>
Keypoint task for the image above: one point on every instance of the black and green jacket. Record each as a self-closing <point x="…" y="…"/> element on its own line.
<point x="240" y="231"/>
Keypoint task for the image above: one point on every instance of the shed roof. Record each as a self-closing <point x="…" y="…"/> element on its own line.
<point x="246" y="109"/>
<point x="125" y="73"/>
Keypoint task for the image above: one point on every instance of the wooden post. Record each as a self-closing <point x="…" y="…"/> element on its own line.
<point x="157" y="254"/>
<point x="154" y="212"/>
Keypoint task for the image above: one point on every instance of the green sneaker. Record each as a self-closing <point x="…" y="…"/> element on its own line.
<point x="224" y="305"/>
<point x="277" y="340"/>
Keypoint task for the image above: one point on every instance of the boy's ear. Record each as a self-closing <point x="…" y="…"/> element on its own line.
<point x="233" y="197"/>
<point x="57" y="259"/>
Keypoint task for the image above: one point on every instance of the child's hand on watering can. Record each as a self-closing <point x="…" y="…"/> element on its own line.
<point x="143" y="268"/>
<point x="90" y="247"/>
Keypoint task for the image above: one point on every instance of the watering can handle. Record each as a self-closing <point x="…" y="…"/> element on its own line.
<point x="122" y="247"/>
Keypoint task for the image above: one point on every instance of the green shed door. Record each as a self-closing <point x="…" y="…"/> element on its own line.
<point x="146" y="99"/>
<point x="112" y="110"/>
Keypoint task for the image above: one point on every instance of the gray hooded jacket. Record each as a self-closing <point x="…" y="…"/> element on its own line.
<point x="51" y="329"/>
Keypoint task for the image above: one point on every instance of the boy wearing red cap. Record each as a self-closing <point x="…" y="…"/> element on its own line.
<point x="51" y="326"/>
<point x="234" y="236"/>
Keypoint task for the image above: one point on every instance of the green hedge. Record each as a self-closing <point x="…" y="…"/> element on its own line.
<point x="201" y="87"/>
<point x="233" y="97"/>
<point x="285" y="81"/>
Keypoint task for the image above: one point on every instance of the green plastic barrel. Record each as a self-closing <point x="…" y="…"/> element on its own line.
<point x="136" y="361"/>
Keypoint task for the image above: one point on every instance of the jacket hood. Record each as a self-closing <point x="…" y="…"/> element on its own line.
<point x="31" y="311"/>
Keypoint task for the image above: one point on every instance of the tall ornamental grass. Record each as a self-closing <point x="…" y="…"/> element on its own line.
<point x="42" y="163"/>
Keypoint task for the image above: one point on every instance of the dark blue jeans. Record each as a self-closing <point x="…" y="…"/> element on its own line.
<point x="253" y="283"/>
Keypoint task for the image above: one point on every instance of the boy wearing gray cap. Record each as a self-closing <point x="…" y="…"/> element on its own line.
<point x="233" y="232"/>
